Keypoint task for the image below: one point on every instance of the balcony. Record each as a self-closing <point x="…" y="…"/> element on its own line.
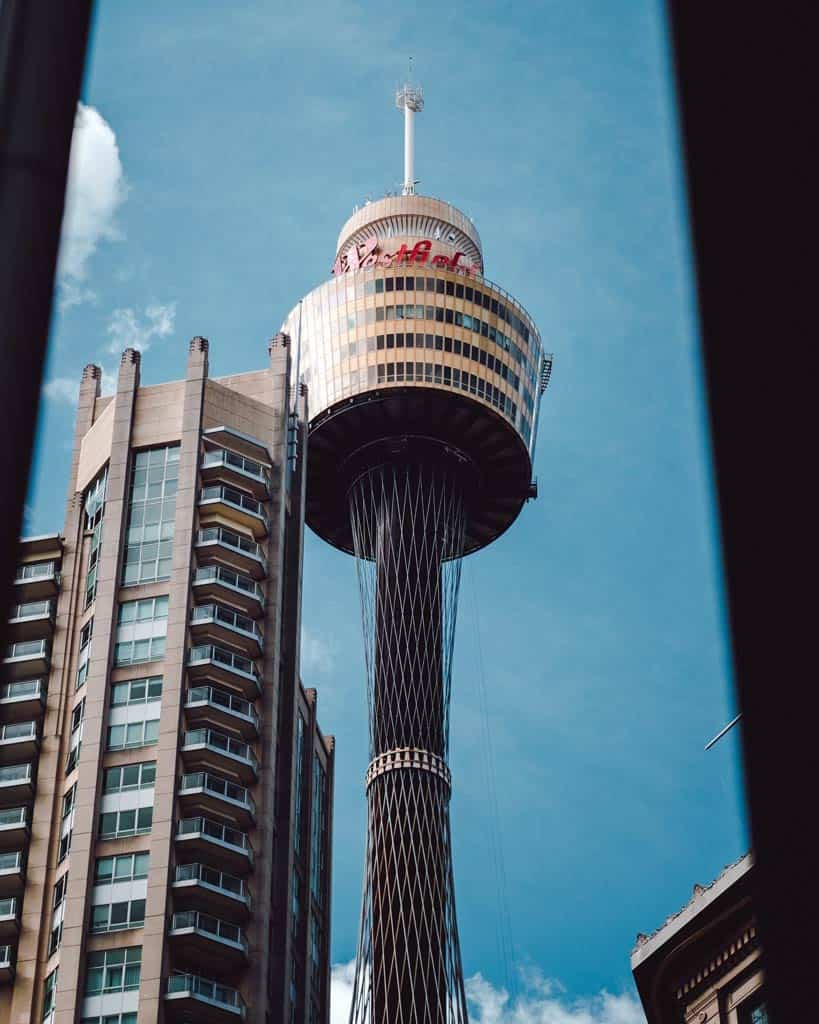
<point x="9" y="919"/>
<point x="239" y="470"/>
<point x="232" y="549"/>
<point x="36" y="580"/>
<point x="12" y="873"/>
<point x="26" y="658"/>
<point x="209" y="706"/>
<point x="14" y="828"/>
<point x="6" y="964"/>
<point x="220" y="624"/>
<point x="19" y="741"/>
<point x="216" y="582"/>
<point x="24" y="700"/>
<point x="192" y="997"/>
<point x="207" y="941"/>
<point x="209" y="840"/>
<point x="236" y="506"/>
<point x="199" y="887"/>
<point x="16" y="785"/>
<point x="211" y="750"/>
<point x="31" y="620"/>
<point x="210" y="794"/>
<point x="218" y="665"/>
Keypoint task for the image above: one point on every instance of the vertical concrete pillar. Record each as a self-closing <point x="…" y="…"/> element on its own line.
<point x="154" y="951"/>
<point x="75" y="922"/>
<point x="259" y="935"/>
<point x="33" y="943"/>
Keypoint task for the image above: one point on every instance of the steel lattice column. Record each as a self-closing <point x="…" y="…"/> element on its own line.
<point x="408" y="522"/>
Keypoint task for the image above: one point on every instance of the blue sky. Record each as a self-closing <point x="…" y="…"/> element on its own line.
<point x="221" y="150"/>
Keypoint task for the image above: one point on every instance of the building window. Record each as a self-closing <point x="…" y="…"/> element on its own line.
<point x="151" y="512"/>
<point x="116" y="917"/>
<point x="135" y="821"/>
<point x="133" y="734"/>
<point x="124" y="867"/>
<point x="318" y="827"/>
<point x="298" y="797"/>
<point x="754" y="1010"/>
<point x="128" y="777"/>
<point x="94" y="511"/>
<point x="295" y="904"/>
<point x="67" y="822"/>
<point x="50" y="994"/>
<point x="75" y="743"/>
<point x="57" y="912"/>
<point x="111" y="1018"/>
<point x="136" y="691"/>
<point x="113" y="970"/>
<point x="84" y="658"/>
<point x="141" y="630"/>
<point x="316" y="943"/>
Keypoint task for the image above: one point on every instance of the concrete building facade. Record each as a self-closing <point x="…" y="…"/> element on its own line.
<point x="705" y="964"/>
<point x="165" y="790"/>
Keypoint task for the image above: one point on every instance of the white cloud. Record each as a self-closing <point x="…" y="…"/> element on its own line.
<point x="126" y="329"/>
<point x="542" y="1001"/>
<point x="95" y="190"/>
<point x="316" y="655"/>
<point x="341" y="992"/>
<point x="62" y="389"/>
<point x="129" y="329"/>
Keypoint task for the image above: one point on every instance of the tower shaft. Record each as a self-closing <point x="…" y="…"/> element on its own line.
<point x="408" y="522"/>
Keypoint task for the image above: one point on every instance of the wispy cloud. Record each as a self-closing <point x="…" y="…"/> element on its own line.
<point x="95" y="190"/>
<point x="545" y="1001"/>
<point x="542" y="1001"/>
<point x="129" y="329"/>
<point x="62" y="389"/>
<point x="316" y="655"/>
<point x="126" y="328"/>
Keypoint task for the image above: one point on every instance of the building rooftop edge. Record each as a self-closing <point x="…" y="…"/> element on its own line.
<point x="702" y="897"/>
<point x="39" y="537"/>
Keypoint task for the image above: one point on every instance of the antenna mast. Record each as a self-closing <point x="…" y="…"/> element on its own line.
<point x="410" y="99"/>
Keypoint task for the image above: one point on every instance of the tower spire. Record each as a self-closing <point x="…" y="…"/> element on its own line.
<point x="410" y="99"/>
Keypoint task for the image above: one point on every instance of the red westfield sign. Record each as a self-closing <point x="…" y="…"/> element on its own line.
<point x="368" y="254"/>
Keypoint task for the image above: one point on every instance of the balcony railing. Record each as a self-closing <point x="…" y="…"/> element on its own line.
<point x="247" y="467"/>
<point x="25" y="689"/>
<point x="219" y="882"/>
<point x="235" y="541"/>
<point x="232" y="619"/>
<point x="35" y="571"/>
<point x="27" y="649"/>
<point x="228" y="578"/>
<point x="220" y="742"/>
<point x="212" y="927"/>
<point x="221" y="788"/>
<point x="221" y="493"/>
<point x="32" y="610"/>
<point x="13" y="818"/>
<point x="6" y="957"/>
<point x="221" y="700"/>
<point x="8" y="909"/>
<point x="11" y="862"/>
<point x="18" y="731"/>
<point x="15" y="774"/>
<point x="234" y="663"/>
<point x="216" y="832"/>
<point x="213" y="992"/>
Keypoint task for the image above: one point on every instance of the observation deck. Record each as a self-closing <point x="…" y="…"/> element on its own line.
<point x="409" y="346"/>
